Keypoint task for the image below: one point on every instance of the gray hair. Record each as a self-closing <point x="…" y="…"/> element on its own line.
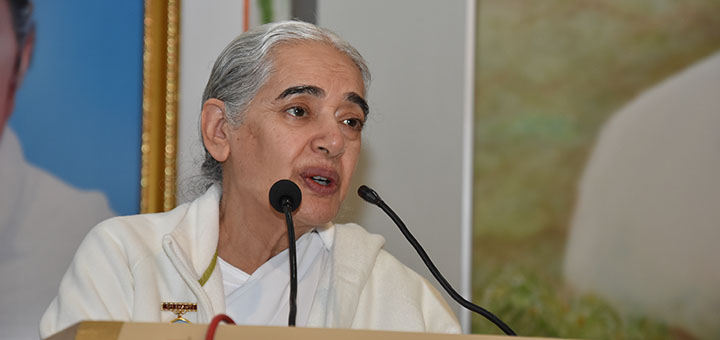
<point x="245" y="64"/>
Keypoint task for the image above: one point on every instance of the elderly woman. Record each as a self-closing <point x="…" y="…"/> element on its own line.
<point x="284" y="100"/>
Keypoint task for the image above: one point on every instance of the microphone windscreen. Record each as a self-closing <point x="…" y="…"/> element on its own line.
<point x="368" y="194"/>
<point x="282" y="190"/>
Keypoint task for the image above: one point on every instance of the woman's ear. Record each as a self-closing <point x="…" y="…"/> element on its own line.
<point x="214" y="129"/>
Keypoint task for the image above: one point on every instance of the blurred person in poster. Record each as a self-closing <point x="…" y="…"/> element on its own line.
<point x="42" y="219"/>
<point x="647" y="222"/>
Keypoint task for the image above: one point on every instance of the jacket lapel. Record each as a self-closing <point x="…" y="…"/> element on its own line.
<point x="191" y="247"/>
<point x="353" y="259"/>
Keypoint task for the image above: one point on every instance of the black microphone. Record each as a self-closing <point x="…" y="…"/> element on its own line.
<point x="285" y="197"/>
<point x="370" y="196"/>
<point x="285" y="192"/>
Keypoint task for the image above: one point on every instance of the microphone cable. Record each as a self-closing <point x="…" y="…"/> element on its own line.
<point x="287" y="209"/>
<point x="285" y="197"/>
<point x="372" y="197"/>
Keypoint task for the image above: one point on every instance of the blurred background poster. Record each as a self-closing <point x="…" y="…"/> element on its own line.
<point x="70" y="151"/>
<point x="597" y="154"/>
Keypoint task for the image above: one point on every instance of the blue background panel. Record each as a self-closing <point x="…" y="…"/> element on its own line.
<point x="78" y="113"/>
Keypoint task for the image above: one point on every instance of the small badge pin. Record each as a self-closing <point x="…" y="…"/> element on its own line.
<point x="179" y="308"/>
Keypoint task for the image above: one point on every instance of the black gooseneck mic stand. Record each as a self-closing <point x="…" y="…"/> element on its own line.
<point x="370" y="196"/>
<point x="285" y="197"/>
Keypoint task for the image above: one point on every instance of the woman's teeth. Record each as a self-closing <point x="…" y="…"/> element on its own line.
<point x="321" y="180"/>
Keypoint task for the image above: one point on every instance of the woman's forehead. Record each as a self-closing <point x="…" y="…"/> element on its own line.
<point x="317" y="64"/>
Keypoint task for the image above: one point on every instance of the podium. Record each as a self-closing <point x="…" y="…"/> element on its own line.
<point x="116" y="330"/>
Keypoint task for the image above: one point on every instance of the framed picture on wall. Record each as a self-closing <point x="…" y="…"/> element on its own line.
<point x="87" y="120"/>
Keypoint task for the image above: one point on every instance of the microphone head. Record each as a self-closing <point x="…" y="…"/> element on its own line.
<point x="282" y="191"/>
<point x="369" y="195"/>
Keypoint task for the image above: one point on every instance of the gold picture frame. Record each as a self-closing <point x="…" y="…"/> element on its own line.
<point x="160" y="105"/>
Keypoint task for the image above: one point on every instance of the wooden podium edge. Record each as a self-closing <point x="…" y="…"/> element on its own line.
<point x="112" y="330"/>
<point x="90" y="330"/>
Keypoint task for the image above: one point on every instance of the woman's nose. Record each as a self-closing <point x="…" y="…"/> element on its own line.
<point x="329" y="139"/>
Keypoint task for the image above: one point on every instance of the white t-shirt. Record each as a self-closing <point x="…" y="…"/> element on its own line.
<point x="263" y="297"/>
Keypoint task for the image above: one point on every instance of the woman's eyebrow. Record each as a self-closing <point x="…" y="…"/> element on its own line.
<point x="302" y="89"/>
<point x="359" y="100"/>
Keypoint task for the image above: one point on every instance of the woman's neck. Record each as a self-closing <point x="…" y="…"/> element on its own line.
<point x="249" y="236"/>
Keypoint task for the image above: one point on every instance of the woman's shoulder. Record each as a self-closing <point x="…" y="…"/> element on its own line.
<point x="352" y="238"/>
<point x="156" y="225"/>
<point x="353" y="231"/>
<point x="390" y="282"/>
<point x="136" y="233"/>
<point x="146" y="224"/>
<point x="355" y="244"/>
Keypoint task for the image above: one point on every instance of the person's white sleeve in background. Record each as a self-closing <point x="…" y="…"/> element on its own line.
<point x="97" y="286"/>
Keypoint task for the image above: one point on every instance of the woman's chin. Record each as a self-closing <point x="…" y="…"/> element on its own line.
<point x="314" y="216"/>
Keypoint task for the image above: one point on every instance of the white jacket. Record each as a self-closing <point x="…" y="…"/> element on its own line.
<point x="127" y="266"/>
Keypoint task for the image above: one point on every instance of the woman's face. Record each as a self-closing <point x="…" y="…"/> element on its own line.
<point x="305" y="125"/>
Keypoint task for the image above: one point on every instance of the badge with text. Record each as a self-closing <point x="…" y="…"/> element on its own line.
<point x="179" y="308"/>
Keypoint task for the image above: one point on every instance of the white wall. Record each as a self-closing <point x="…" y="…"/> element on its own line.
<point x="206" y="27"/>
<point x="417" y="144"/>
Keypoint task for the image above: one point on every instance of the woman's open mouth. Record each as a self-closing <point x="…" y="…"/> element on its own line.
<point x="320" y="180"/>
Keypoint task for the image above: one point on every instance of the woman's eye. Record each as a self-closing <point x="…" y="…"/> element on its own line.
<point x="296" y="111"/>
<point x="354" y="123"/>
